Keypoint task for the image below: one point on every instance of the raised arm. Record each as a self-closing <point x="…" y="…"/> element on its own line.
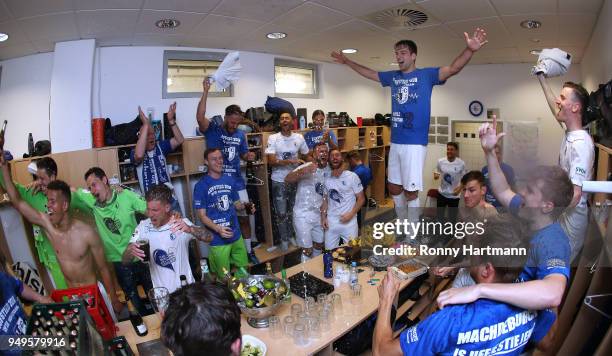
<point x="97" y="251"/>
<point x="177" y="138"/>
<point x="551" y="100"/>
<point x="295" y="175"/>
<point x="32" y="215"/>
<point x="203" y="121"/>
<point x="473" y="44"/>
<point x="383" y="342"/>
<point x="488" y="139"/>
<point x="141" y="144"/>
<point x="362" y="70"/>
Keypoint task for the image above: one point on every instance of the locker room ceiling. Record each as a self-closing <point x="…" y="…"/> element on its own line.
<point x="313" y="28"/>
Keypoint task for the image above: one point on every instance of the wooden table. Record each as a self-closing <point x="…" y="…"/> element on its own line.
<point x="352" y="315"/>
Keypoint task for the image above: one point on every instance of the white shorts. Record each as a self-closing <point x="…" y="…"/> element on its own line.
<point x="338" y="231"/>
<point x="406" y="164"/>
<point x="308" y="228"/>
<point x="243" y="196"/>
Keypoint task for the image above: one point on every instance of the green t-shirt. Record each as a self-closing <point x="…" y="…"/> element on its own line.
<point x="38" y="201"/>
<point x="115" y="220"/>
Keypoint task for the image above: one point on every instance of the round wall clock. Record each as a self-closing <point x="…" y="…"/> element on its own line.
<point x="475" y="108"/>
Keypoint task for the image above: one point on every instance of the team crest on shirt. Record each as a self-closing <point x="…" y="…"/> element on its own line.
<point x="448" y="179"/>
<point x="402" y="95"/>
<point x="223" y="202"/>
<point x="286" y="155"/>
<point x="164" y="259"/>
<point x="112" y="225"/>
<point x="230" y="152"/>
<point x="335" y="195"/>
<point x="320" y="188"/>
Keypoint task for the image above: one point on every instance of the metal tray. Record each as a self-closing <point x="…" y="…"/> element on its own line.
<point x="421" y="268"/>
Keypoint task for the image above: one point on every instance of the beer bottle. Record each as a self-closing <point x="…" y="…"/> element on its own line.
<point x="136" y="320"/>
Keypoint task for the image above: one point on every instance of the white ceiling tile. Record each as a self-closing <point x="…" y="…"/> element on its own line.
<point x="431" y="39"/>
<point x="18" y="50"/>
<point x="104" y="23"/>
<point x="201" y="6"/>
<point x="25" y="8"/>
<point x="261" y="10"/>
<point x="56" y="26"/>
<point x="157" y="40"/>
<point x="15" y="32"/>
<point x="575" y="29"/>
<point x="500" y="55"/>
<point x="215" y="25"/>
<point x="497" y="35"/>
<point x="108" y="41"/>
<point x="515" y="7"/>
<point x="108" y="4"/>
<point x="208" y="42"/>
<point x="452" y="10"/>
<point x="189" y="21"/>
<point x="4" y="13"/>
<point x="523" y="37"/>
<point x="311" y="16"/>
<point x="582" y="6"/>
<point x="361" y="8"/>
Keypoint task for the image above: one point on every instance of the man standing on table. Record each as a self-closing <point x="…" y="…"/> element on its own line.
<point x="233" y="144"/>
<point x="577" y="154"/>
<point x="411" y="89"/>
<point x="168" y="239"/>
<point x="216" y="200"/>
<point x="115" y="216"/>
<point x="310" y="178"/>
<point x="343" y="201"/>
<point x="79" y="250"/>
<point x="149" y="156"/>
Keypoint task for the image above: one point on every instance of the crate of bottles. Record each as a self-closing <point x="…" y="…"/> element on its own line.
<point x="95" y="304"/>
<point x="67" y="319"/>
<point x="119" y="347"/>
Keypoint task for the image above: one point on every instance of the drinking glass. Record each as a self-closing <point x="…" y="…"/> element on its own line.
<point x="275" y="327"/>
<point x="314" y="328"/>
<point x="296" y="309"/>
<point x="289" y="324"/>
<point x="321" y="298"/>
<point x="324" y="321"/>
<point x="159" y="297"/>
<point x="356" y="294"/>
<point x="299" y="335"/>
<point x="337" y="303"/>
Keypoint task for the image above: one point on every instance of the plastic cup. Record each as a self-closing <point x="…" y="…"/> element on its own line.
<point x="276" y="330"/>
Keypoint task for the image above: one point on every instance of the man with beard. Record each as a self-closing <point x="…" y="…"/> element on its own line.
<point x="115" y="216"/>
<point x="168" y="239"/>
<point x="233" y="144"/>
<point x="78" y="247"/>
<point x="310" y="178"/>
<point x="216" y="201"/>
<point x="341" y="204"/>
<point x="283" y="152"/>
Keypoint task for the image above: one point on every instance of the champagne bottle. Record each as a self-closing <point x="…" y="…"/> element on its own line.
<point x="136" y="320"/>
<point x="287" y="296"/>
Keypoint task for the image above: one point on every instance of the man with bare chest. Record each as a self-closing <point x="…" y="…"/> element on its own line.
<point x="77" y="245"/>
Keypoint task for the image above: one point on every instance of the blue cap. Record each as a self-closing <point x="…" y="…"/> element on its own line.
<point x="354" y="264"/>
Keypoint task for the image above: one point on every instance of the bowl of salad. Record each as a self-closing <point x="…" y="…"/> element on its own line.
<point x="252" y="346"/>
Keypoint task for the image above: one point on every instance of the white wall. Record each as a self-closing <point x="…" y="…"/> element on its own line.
<point x="71" y="83"/>
<point x="597" y="59"/>
<point x="24" y="100"/>
<point x="125" y="77"/>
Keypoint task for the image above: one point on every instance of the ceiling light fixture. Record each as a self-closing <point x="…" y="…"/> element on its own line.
<point x="349" y="50"/>
<point x="167" y="23"/>
<point x="531" y="24"/>
<point x="3" y="36"/>
<point x="535" y="52"/>
<point x="276" y="35"/>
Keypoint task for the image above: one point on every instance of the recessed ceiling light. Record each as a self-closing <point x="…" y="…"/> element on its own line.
<point x="3" y="37"/>
<point x="531" y="24"/>
<point x="168" y="23"/>
<point x="349" y="50"/>
<point x="276" y="35"/>
<point x="535" y="52"/>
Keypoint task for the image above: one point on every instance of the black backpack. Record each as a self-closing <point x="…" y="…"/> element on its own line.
<point x="122" y="134"/>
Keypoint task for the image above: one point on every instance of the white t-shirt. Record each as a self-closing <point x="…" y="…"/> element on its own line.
<point x="576" y="157"/>
<point x="341" y="193"/>
<point x="310" y="191"/>
<point x="450" y="175"/>
<point x="285" y="147"/>
<point x="169" y="253"/>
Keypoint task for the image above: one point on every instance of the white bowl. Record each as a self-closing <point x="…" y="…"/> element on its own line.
<point x="250" y="339"/>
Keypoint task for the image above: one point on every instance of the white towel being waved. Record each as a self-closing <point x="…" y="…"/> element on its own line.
<point x="228" y="72"/>
<point x="552" y="62"/>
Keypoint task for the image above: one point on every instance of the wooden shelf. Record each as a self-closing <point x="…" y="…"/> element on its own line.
<point x="133" y="181"/>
